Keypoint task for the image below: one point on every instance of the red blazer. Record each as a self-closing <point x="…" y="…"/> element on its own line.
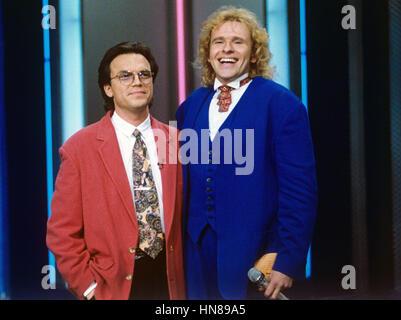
<point x="92" y="230"/>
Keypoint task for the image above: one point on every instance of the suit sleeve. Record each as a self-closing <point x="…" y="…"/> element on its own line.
<point x="65" y="228"/>
<point x="297" y="191"/>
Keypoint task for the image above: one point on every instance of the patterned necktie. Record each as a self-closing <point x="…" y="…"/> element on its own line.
<point x="224" y="97"/>
<point x="151" y="238"/>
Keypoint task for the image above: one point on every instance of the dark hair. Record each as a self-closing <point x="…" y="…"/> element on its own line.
<point x="104" y="67"/>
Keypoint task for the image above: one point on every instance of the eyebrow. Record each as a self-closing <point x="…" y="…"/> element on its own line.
<point x="233" y="38"/>
<point x="132" y="72"/>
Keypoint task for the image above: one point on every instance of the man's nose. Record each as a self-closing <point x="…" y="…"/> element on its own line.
<point x="227" y="47"/>
<point x="136" y="81"/>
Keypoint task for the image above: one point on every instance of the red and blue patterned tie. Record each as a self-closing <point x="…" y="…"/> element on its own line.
<point x="224" y="97"/>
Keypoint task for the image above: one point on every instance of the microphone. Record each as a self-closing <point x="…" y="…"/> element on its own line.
<point x="259" y="279"/>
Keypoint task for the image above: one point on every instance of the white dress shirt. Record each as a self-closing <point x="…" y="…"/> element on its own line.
<point x="217" y="118"/>
<point x="126" y="141"/>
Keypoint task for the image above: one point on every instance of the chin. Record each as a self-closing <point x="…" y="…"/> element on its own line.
<point x="227" y="79"/>
<point x="139" y="108"/>
<point x="139" y="105"/>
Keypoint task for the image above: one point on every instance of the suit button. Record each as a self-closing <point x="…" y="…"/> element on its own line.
<point x="132" y="250"/>
<point x="209" y="180"/>
<point x="171" y="248"/>
<point x="128" y="277"/>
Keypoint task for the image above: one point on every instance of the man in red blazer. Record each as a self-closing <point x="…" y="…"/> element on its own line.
<point x="115" y="225"/>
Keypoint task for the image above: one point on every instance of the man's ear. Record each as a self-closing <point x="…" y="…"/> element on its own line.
<point x="108" y="90"/>
<point x="253" y="58"/>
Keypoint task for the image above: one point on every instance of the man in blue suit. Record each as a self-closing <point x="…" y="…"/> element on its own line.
<point x="236" y="214"/>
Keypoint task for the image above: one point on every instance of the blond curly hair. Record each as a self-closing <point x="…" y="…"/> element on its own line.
<point x="259" y="37"/>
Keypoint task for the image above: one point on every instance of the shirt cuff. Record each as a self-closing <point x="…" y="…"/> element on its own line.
<point x="91" y="287"/>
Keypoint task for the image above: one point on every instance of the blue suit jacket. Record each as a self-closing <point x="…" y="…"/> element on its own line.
<point x="273" y="208"/>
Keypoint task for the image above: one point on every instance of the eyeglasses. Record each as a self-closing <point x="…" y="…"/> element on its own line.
<point x="126" y="77"/>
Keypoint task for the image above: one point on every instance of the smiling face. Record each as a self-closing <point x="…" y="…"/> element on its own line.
<point x="134" y="98"/>
<point x="230" y="53"/>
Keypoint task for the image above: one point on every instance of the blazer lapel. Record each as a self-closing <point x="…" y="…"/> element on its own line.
<point x="244" y="113"/>
<point x="165" y="140"/>
<point x="189" y="121"/>
<point x="110" y="154"/>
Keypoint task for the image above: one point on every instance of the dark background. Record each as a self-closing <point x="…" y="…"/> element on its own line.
<point x="353" y="87"/>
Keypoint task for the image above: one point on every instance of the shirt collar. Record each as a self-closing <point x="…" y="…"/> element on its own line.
<point x="233" y="84"/>
<point x="127" y="128"/>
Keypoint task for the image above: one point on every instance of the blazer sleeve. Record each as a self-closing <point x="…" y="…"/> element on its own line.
<point x="65" y="228"/>
<point x="180" y="115"/>
<point x="179" y="212"/>
<point x="297" y="190"/>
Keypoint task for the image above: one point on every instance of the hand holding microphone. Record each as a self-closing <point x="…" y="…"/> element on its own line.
<point x="263" y="270"/>
<point x="260" y="280"/>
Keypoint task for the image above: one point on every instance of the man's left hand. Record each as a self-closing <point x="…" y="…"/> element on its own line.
<point x="277" y="282"/>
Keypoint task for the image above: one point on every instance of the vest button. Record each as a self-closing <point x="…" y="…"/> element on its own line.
<point x="208" y="189"/>
<point x="132" y="250"/>
<point x="209" y="208"/>
<point x="209" y="199"/>
<point x="209" y="180"/>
